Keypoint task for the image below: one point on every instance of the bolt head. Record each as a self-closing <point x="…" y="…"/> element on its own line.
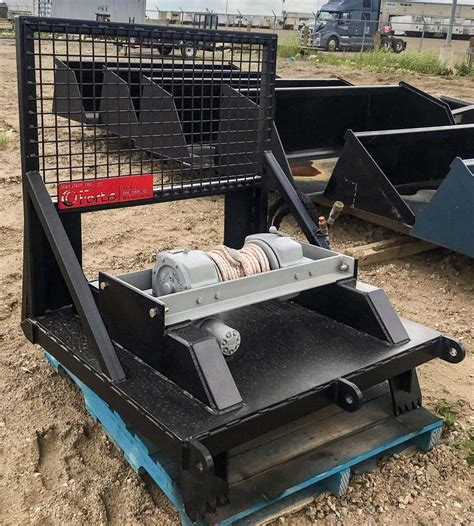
<point x="453" y="352"/>
<point x="199" y="299"/>
<point x="297" y="275"/>
<point x="343" y="267"/>
<point x="103" y="285"/>
<point x="153" y="312"/>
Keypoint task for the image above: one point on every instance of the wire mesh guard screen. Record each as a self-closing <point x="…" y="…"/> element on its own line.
<point x="103" y="100"/>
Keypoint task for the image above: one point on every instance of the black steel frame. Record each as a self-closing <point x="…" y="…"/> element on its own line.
<point x="76" y="322"/>
<point x="64" y="148"/>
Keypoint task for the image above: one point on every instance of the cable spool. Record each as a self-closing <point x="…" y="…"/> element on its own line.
<point x="180" y="270"/>
<point x="234" y="264"/>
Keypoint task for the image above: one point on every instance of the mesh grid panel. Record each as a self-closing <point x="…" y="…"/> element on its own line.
<point x="99" y="100"/>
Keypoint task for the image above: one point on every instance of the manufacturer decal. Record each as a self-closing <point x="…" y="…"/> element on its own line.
<point x="84" y="194"/>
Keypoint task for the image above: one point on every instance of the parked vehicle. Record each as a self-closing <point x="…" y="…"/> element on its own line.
<point x="188" y="48"/>
<point x="241" y="21"/>
<point x="350" y="24"/>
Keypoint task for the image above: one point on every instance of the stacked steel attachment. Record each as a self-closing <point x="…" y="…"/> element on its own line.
<point x="234" y="365"/>
<point x="420" y="181"/>
<point x="403" y="159"/>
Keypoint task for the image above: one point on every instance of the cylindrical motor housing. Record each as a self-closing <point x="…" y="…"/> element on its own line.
<point x="178" y="270"/>
<point x="227" y="337"/>
<point x="281" y="251"/>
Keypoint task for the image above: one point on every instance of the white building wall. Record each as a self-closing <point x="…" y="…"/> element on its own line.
<point x="118" y="10"/>
<point x="22" y="6"/>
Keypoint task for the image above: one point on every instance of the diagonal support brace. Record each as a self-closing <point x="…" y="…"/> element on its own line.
<point x="73" y="276"/>
<point x="296" y="207"/>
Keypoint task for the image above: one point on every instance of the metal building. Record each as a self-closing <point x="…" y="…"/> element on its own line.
<point x="21" y="7"/>
<point x="103" y="10"/>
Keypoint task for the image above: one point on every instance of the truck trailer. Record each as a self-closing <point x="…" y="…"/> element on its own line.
<point x="430" y="19"/>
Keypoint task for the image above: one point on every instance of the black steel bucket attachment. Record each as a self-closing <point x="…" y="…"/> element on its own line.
<point x="82" y="90"/>
<point x="394" y="177"/>
<point x="78" y="84"/>
<point x="312" y="122"/>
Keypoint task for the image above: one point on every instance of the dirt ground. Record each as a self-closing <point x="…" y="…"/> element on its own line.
<point x="57" y="465"/>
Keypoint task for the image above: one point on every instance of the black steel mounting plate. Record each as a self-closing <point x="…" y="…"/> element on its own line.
<point x="290" y="373"/>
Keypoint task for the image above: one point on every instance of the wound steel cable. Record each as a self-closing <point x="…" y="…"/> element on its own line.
<point x="233" y="264"/>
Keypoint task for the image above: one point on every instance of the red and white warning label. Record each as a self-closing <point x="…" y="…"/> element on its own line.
<point x="85" y="194"/>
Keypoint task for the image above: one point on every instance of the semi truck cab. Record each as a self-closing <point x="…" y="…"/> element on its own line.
<point x="350" y="24"/>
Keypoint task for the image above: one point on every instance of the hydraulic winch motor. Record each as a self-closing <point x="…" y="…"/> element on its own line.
<point x="181" y="270"/>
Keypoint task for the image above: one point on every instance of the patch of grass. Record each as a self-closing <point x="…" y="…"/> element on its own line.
<point x="289" y="48"/>
<point x="464" y="70"/>
<point x="447" y="410"/>
<point x="470" y="448"/>
<point x="5" y="137"/>
<point x="6" y="30"/>
<point x="462" y="439"/>
<point x="427" y="62"/>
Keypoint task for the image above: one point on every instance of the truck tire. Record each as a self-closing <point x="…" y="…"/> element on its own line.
<point x="385" y="44"/>
<point x="332" y="44"/>
<point x="166" y="50"/>
<point x="188" y="50"/>
<point x="398" y="45"/>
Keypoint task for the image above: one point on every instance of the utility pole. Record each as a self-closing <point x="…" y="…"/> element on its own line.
<point x="446" y="52"/>
<point x="452" y="20"/>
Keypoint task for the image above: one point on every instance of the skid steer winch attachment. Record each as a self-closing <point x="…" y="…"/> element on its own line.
<point x="237" y="377"/>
